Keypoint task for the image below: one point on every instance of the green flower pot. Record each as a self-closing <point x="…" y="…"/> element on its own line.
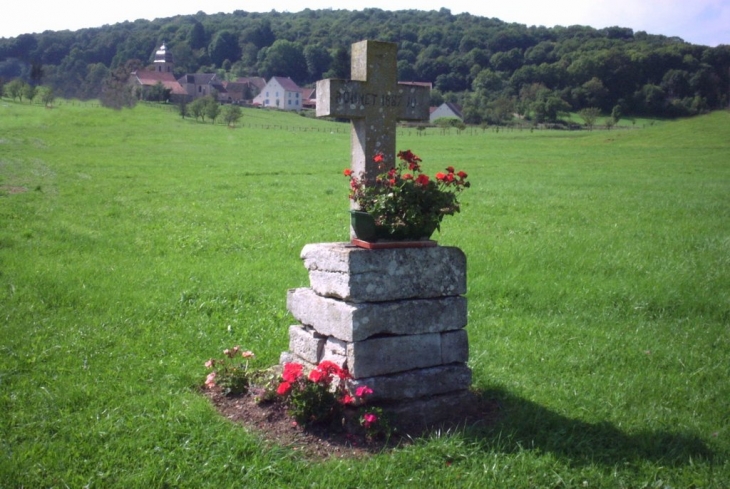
<point x="363" y="224"/>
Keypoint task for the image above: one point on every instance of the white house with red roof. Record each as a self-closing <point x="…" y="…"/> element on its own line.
<point x="280" y="92"/>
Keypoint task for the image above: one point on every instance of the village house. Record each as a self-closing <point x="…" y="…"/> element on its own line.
<point x="199" y="84"/>
<point x="243" y="90"/>
<point x="446" y="110"/>
<point x="281" y="93"/>
<point x="309" y="98"/>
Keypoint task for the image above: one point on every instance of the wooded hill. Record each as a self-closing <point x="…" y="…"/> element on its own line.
<point x="492" y="68"/>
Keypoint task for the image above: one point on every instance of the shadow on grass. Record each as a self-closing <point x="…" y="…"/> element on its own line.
<point x="524" y="425"/>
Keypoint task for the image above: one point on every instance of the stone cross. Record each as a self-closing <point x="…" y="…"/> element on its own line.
<point x="373" y="100"/>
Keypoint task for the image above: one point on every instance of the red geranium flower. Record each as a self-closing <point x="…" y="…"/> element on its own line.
<point x="462" y="175"/>
<point x="283" y="388"/>
<point x="318" y="376"/>
<point x="378" y="158"/>
<point x="292" y="372"/>
<point x="440" y="176"/>
<point x="331" y="368"/>
<point x="450" y="169"/>
<point x="347" y="172"/>
<point x="422" y="179"/>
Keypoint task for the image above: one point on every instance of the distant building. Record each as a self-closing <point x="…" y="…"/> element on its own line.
<point x="243" y="90"/>
<point x="446" y="110"/>
<point x="143" y="81"/>
<point x="309" y="98"/>
<point x="281" y="93"/>
<point x="199" y="84"/>
<point x="163" y="60"/>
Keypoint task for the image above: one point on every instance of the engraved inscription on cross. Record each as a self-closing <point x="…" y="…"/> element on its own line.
<point x="374" y="101"/>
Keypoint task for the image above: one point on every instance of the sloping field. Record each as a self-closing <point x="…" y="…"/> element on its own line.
<point x="135" y="245"/>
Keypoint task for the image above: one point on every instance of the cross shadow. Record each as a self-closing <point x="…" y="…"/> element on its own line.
<point x="509" y="423"/>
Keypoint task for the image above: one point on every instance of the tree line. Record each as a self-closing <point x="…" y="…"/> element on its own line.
<point x="493" y="69"/>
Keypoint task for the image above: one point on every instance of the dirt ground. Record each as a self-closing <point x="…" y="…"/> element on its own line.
<point x="273" y="424"/>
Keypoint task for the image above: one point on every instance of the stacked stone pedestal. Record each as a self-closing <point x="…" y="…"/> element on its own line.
<point x="394" y="317"/>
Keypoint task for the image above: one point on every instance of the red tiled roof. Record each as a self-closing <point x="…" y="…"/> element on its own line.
<point x="287" y="84"/>
<point x="255" y="81"/>
<point x="151" y="78"/>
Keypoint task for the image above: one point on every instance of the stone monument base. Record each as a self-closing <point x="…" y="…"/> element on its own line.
<point x="395" y="318"/>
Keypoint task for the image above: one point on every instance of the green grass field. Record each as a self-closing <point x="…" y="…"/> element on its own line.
<point x="135" y="245"/>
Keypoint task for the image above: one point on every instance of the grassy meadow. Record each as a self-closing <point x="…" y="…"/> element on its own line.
<point x="135" y="245"/>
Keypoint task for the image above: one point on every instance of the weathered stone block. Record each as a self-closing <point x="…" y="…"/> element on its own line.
<point x="454" y="347"/>
<point x="289" y="357"/>
<point x="358" y="275"/>
<point x="391" y="354"/>
<point x="412" y="416"/>
<point x="335" y="351"/>
<point x="306" y="343"/>
<point x="352" y="321"/>
<point x="417" y="383"/>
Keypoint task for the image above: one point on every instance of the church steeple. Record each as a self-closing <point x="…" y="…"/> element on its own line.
<point x="163" y="60"/>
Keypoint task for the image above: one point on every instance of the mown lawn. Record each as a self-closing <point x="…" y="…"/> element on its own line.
<point x="134" y="245"/>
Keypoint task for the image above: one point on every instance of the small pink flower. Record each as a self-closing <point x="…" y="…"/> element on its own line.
<point x="369" y="419"/>
<point x="347" y="399"/>
<point x="363" y="390"/>
<point x="210" y="380"/>
<point x="227" y="352"/>
<point x="210" y="363"/>
<point x="247" y="354"/>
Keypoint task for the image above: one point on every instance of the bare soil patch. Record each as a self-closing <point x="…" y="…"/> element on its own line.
<point x="272" y="422"/>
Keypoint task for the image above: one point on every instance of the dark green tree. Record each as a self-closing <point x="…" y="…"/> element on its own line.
<point x="224" y="46"/>
<point x="284" y="58"/>
<point x="340" y="67"/>
<point x="158" y="93"/>
<point x="36" y="74"/>
<point x="318" y="61"/>
<point x="196" y="35"/>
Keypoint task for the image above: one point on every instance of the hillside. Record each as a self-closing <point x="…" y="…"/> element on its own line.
<point x="491" y="67"/>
